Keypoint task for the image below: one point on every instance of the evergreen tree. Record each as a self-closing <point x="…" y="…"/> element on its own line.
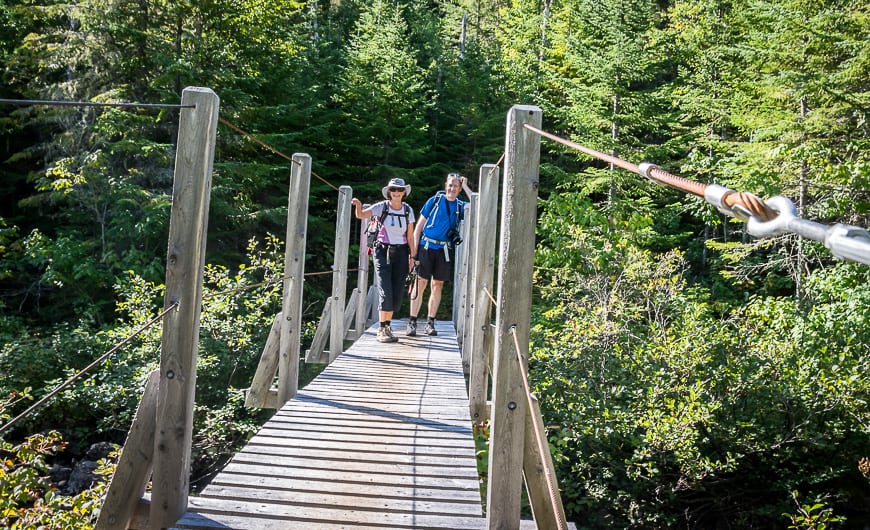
<point x="799" y="113"/>
<point x="384" y="99"/>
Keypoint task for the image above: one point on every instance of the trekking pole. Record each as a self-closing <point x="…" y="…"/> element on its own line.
<point x="412" y="287"/>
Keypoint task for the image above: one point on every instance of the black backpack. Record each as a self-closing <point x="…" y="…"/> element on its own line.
<point x="375" y="223"/>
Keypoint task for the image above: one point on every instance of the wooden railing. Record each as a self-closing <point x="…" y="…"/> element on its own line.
<point x="158" y="444"/>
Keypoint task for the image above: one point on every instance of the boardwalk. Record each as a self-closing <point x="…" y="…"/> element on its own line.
<point x="381" y="439"/>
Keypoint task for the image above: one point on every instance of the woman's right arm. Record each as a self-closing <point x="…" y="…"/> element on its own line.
<point x="358" y="209"/>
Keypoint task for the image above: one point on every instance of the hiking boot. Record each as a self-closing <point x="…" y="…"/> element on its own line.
<point x="382" y="335"/>
<point x="391" y="337"/>
<point x="412" y="328"/>
<point x="430" y="329"/>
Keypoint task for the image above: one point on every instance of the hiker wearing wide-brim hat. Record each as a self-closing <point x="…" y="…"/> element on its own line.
<point x="393" y="184"/>
<point x="394" y="249"/>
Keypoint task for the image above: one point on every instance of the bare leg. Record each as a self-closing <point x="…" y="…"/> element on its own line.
<point x="417" y="302"/>
<point x="435" y="297"/>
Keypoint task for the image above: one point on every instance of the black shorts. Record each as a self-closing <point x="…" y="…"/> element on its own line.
<point x="433" y="264"/>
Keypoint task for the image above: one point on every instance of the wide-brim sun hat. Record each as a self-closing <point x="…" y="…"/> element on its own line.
<point x="395" y="183"/>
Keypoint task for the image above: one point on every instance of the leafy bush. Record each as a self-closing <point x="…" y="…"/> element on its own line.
<point x="672" y="410"/>
<point x="237" y="313"/>
<point x="27" y="498"/>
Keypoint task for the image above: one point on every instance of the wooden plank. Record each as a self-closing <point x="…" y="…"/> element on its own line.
<point x="268" y="516"/>
<point x="354" y="499"/>
<point x="375" y="455"/>
<point x="341" y="486"/>
<point x="363" y="442"/>
<point x="415" y="425"/>
<point x="134" y="466"/>
<point x="350" y="315"/>
<point x="381" y="438"/>
<point x="372" y="302"/>
<point x="256" y="396"/>
<point x="321" y="334"/>
<point x="255" y="470"/>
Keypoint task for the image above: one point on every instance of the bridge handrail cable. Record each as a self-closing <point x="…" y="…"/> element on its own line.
<point x="99" y="360"/>
<point x="775" y="216"/>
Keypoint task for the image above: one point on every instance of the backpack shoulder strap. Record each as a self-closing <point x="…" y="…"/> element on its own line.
<point x="384" y="212"/>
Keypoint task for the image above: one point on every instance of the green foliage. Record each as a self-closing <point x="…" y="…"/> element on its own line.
<point x="382" y="95"/>
<point x="236" y="317"/>
<point x="27" y="500"/>
<point x="668" y="415"/>
<point x="812" y="517"/>
<point x="219" y="432"/>
<point x="693" y="376"/>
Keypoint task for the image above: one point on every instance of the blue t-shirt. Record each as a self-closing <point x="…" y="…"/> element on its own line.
<point x="441" y="215"/>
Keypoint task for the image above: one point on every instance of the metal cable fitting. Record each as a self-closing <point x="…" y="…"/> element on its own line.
<point x="715" y="195"/>
<point x="644" y="169"/>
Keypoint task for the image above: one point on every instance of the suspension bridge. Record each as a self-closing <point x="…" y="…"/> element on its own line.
<point x="384" y="437"/>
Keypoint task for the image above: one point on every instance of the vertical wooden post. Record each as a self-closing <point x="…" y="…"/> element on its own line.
<point x="362" y="280"/>
<point x="479" y="325"/>
<point x="458" y="253"/>
<point x="460" y="257"/>
<point x="294" y="272"/>
<point x="466" y="301"/>
<point x="339" y="272"/>
<point x="188" y="226"/>
<point x="516" y="265"/>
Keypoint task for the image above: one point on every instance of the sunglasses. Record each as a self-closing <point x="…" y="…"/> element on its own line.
<point x="396" y="189"/>
<point x="454" y="175"/>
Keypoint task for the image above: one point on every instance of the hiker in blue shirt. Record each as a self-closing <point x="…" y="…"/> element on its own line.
<point x="436" y="235"/>
<point x="392" y="249"/>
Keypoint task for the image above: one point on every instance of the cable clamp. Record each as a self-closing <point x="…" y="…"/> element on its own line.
<point x="644" y="169"/>
<point x="715" y="195"/>
<point x="851" y="243"/>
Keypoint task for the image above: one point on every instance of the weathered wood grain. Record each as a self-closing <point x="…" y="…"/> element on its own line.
<point x="381" y="438"/>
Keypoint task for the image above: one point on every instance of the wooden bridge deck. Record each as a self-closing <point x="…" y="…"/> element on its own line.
<point x="381" y="438"/>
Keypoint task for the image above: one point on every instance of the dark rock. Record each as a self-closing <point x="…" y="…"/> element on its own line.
<point x="100" y="450"/>
<point x="82" y="478"/>
<point x="59" y="474"/>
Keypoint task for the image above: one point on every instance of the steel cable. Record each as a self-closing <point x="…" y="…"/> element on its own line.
<point x="87" y="368"/>
<point x="747" y="202"/>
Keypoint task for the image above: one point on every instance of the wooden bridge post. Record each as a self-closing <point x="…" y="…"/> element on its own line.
<point x="188" y="224"/>
<point x="513" y="312"/>
<point x="135" y="464"/>
<point x="469" y="236"/>
<point x="362" y="281"/>
<point x="461" y="307"/>
<point x="294" y="274"/>
<point x="339" y="272"/>
<point x="479" y="342"/>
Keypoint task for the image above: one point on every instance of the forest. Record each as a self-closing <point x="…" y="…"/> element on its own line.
<point x="691" y="376"/>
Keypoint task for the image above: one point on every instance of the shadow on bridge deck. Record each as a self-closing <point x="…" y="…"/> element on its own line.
<point x="381" y="438"/>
